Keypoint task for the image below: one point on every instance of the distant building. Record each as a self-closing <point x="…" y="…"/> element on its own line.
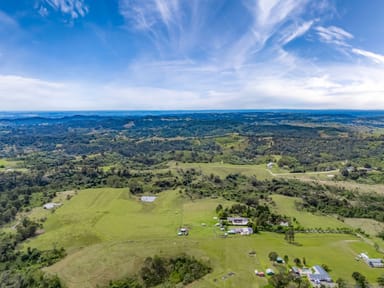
<point x="148" y="198"/>
<point x="270" y="165"/>
<point x="375" y="263"/>
<point x="319" y="275"/>
<point x="269" y="272"/>
<point x="304" y="272"/>
<point x="284" y="223"/>
<point x="241" y="231"/>
<point x="51" y="205"/>
<point x="372" y="262"/>
<point x="238" y="221"/>
<point x="279" y="260"/>
<point x="183" y="232"/>
<point x="350" y="169"/>
<point x="295" y="270"/>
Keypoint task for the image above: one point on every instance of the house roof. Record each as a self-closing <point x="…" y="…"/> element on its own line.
<point x="148" y="198"/>
<point x="375" y="260"/>
<point x="237" y="219"/>
<point x="51" y="205"/>
<point x="320" y="274"/>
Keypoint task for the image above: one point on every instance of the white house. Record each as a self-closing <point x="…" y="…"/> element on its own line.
<point x="51" y="205"/>
<point x="238" y="221"/>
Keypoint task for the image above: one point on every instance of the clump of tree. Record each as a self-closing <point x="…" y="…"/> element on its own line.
<point x="290" y="235"/>
<point x="182" y="269"/>
<point x="287" y="279"/>
<point x="380" y="280"/>
<point x="381" y="235"/>
<point x="125" y="283"/>
<point x="273" y="256"/>
<point x="22" y="268"/>
<point x="261" y="217"/>
<point x="26" y="229"/>
<point x="361" y="280"/>
<point x="165" y="271"/>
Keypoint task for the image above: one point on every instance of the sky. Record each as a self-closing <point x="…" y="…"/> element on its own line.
<point x="191" y="54"/>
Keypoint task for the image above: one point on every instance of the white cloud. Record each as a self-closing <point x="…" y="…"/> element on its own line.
<point x="7" y="20"/>
<point x="334" y="35"/>
<point x="348" y="86"/>
<point x="43" y="11"/>
<point x="268" y="18"/>
<point x="234" y="69"/>
<point x="297" y="32"/>
<point x="144" y="15"/>
<point x="73" y="8"/>
<point x="377" y="58"/>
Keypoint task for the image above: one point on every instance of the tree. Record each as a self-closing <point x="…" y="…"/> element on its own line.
<point x="125" y="283"/>
<point x="219" y="208"/>
<point x="273" y="256"/>
<point x="286" y="258"/>
<point x="135" y="187"/>
<point x="290" y="235"/>
<point x="25" y="229"/>
<point x="341" y="283"/>
<point x="380" y="281"/>
<point x="325" y="267"/>
<point x="297" y="261"/>
<point x="381" y="235"/>
<point x="360" y="279"/>
<point x="344" y="172"/>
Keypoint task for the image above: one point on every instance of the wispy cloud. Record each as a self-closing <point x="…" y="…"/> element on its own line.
<point x="147" y="15"/>
<point x="179" y="27"/>
<point x="73" y="8"/>
<point x="209" y="55"/>
<point x="334" y="35"/>
<point x="297" y="32"/>
<point x="7" y="20"/>
<point x="377" y="58"/>
<point x="268" y="17"/>
<point x="204" y="87"/>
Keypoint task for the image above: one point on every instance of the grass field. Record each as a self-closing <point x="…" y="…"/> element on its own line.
<point x="370" y="226"/>
<point x="223" y="169"/>
<point x="6" y="164"/>
<point x="108" y="233"/>
<point x="261" y="172"/>
<point x="286" y="206"/>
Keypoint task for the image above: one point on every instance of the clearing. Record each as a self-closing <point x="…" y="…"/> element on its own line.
<point x="108" y="233"/>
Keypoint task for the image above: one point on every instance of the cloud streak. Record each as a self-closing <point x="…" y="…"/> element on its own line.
<point x="74" y="8"/>
<point x="297" y="32"/>
<point x="205" y="55"/>
<point x="328" y="87"/>
<point x="334" y="35"/>
<point x="377" y="58"/>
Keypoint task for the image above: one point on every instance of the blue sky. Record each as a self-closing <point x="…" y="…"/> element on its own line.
<point x="191" y="54"/>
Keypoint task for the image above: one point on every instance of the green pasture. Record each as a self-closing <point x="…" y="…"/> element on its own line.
<point x="108" y="233"/>
<point x="224" y="169"/>
<point x="286" y="206"/>
<point x="8" y="164"/>
<point x="369" y="226"/>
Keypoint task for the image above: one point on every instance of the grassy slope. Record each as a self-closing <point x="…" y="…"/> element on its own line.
<point x="223" y="169"/>
<point x="6" y="164"/>
<point x="286" y="205"/>
<point x="108" y="233"/>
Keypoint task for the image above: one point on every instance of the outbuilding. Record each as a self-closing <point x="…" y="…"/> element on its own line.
<point x="269" y="272"/>
<point x="50" y="206"/>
